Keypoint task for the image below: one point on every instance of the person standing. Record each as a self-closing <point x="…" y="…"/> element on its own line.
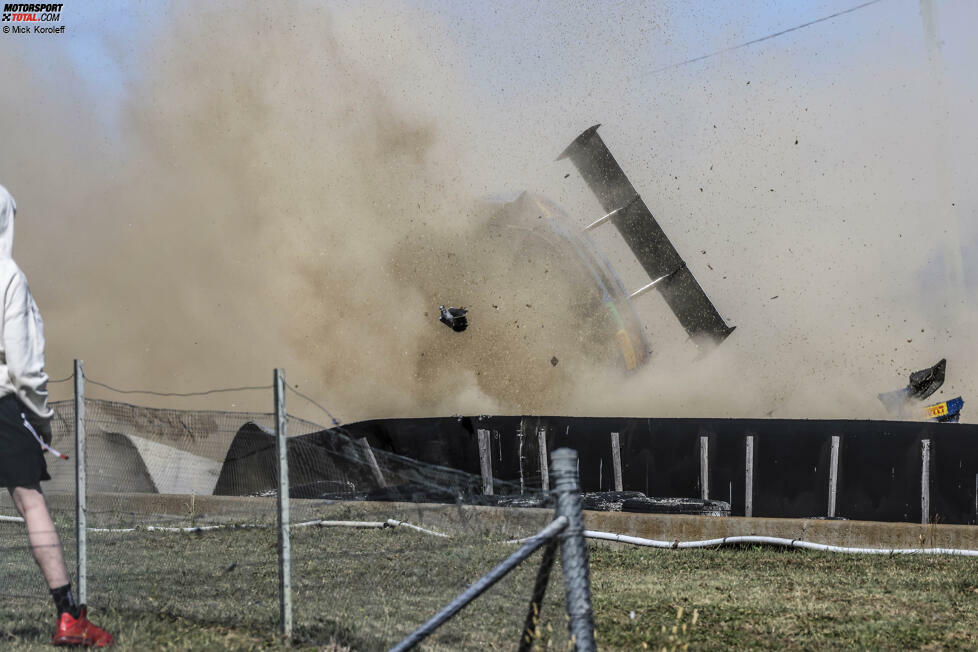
<point x="25" y="427"/>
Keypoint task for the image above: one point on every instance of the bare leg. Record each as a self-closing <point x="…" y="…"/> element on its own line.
<point x="41" y="533"/>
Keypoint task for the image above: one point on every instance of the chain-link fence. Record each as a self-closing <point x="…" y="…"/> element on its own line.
<point x="181" y="528"/>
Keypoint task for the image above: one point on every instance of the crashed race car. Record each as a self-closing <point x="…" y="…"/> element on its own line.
<point x="542" y="230"/>
<point x="906" y="403"/>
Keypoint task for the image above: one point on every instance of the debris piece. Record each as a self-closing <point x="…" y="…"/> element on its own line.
<point x="454" y="318"/>
<point x="774" y="297"/>
<point x="921" y="384"/>
<point x="947" y="412"/>
<point x="554" y="361"/>
<point x="567" y="175"/>
<point x="925" y="382"/>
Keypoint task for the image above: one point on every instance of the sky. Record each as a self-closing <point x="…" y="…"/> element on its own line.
<point x="233" y="185"/>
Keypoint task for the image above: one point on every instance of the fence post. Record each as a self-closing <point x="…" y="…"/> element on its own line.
<point x="833" y="475"/>
<point x="616" y="460"/>
<point x="542" y="445"/>
<point x="749" y="477"/>
<point x="368" y="452"/>
<point x="485" y="461"/>
<point x="284" y="548"/>
<point x="81" y="485"/>
<point x="573" y="549"/>
<point x="925" y="481"/>
<point x="704" y="467"/>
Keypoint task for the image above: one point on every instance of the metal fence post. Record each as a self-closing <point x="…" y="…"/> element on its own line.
<point x="704" y="467"/>
<point x="616" y="460"/>
<point x="485" y="461"/>
<point x="573" y="550"/>
<point x="833" y="475"/>
<point x="925" y="481"/>
<point x="368" y="452"/>
<point x="284" y="548"/>
<point x="544" y="469"/>
<point x="81" y="485"/>
<point x="749" y="476"/>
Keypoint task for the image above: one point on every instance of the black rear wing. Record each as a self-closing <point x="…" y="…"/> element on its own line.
<point x="626" y="210"/>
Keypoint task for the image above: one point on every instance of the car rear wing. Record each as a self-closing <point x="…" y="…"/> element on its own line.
<point x="625" y="209"/>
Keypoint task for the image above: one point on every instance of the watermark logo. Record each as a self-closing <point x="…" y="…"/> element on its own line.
<point x="23" y="15"/>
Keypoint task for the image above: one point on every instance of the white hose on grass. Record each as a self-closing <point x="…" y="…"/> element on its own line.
<point x="394" y="523"/>
<point x="231" y="526"/>
<point x="774" y="541"/>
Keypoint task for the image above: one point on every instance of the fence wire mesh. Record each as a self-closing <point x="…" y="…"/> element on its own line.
<point x="181" y="527"/>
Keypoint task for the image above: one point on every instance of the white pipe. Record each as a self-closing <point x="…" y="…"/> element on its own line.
<point x="206" y="528"/>
<point x="356" y="524"/>
<point x="774" y="541"/>
<point x="394" y="523"/>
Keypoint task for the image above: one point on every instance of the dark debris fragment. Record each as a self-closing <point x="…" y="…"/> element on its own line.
<point x="454" y="318"/>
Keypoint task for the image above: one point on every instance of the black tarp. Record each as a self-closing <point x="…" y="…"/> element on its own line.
<point x="879" y="476"/>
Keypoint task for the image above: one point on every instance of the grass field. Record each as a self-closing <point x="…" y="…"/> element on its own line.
<point x="364" y="589"/>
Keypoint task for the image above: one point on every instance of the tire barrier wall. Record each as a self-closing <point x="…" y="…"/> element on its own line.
<point x="879" y="474"/>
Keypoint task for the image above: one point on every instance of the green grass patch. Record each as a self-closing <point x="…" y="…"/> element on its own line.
<point x="365" y="589"/>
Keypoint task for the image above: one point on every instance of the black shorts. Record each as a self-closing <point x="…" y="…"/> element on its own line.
<point x="21" y="456"/>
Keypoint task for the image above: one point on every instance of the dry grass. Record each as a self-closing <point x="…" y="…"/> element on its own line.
<point x="364" y="589"/>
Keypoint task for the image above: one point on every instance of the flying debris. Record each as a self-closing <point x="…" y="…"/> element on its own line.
<point x="925" y="382"/>
<point x="454" y="318"/>
<point x="657" y="255"/>
<point x="921" y="385"/>
<point x="946" y="412"/>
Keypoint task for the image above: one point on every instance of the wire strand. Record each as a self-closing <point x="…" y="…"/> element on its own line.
<point x="208" y="392"/>
<point x="336" y="421"/>
<point x="61" y="380"/>
<point x="764" y="38"/>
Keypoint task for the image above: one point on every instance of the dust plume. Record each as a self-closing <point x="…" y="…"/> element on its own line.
<point x="303" y="193"/>
<point x="264" y="203"/>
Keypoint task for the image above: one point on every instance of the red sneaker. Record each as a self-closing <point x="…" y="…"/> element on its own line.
<point x="80" y="631"/>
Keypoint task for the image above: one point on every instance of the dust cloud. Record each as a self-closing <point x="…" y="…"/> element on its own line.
<point x="305" y="193"/>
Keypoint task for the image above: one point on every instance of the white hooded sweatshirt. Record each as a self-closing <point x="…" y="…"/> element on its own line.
<point x="21" y="330"/>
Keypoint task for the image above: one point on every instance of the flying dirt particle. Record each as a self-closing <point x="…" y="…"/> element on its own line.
<point x="554" y="361"/>
<point x="495" y="307"/>
<point x="701" y="190"/>
<point x="774" y="297"/>
<point x="529" y="306"/>
<point x="567" y="175"/>
<point x="909" y="341"/>
<point x="710" y="266"/>
<point x="796" y="141"/>
<point x="703" y="251"/>
<point x="748" y="83"/>
<point x="231" y="567"/>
